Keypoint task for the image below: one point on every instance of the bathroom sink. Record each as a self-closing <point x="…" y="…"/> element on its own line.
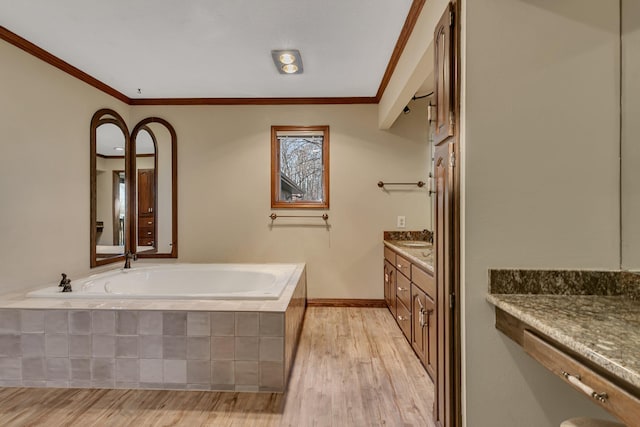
<point x="415" y="244"/>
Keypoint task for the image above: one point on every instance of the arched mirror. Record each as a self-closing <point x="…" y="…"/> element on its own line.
<point x="154" y="178"/>
<point x="109" y="140"/>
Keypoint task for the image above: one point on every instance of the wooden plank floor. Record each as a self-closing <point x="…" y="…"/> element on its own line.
<point x="353" y="368"/>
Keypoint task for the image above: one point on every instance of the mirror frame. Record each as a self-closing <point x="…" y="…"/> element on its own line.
<point x="174" y="187"/>
<point x="276" y="203"/>
<point x="97" y="120"/>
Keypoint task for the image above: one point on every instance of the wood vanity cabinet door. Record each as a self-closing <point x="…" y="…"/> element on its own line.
<point x="443" y="77"/>
<point x="390" y="286"/>
<point x="431" y="337"/>
<point x="417" y="315"/>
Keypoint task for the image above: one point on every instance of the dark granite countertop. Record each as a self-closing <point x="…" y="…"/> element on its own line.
<point x="421" y="256"/>
<point x="594" y="313"/>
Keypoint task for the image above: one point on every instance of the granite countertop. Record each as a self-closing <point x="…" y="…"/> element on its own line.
<point x="421" y="256"/>
<point x="603" y="329"/>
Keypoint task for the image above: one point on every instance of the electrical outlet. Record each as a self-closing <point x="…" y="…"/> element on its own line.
<point x="401" y="222"/>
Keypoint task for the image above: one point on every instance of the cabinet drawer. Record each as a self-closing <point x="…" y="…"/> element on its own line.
<point x="403" y="316"/>
<point x="424" y="281"/>
<point x="146" y="232"/>
<point x="403" y="290"/>
<point x="145" y="241"/>
<point x="390" y="256"/>
<point x="146" y="221"/>
<point x="599" y="389"/>
<point x="403" y="266"/>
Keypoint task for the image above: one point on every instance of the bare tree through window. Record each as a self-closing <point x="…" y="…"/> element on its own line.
<point x="302" y="165"/>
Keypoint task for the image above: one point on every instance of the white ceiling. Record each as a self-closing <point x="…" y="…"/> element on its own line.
<point x="216" y="48"/>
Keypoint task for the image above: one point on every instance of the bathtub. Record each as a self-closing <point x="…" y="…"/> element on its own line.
<point x="180" y="281"/>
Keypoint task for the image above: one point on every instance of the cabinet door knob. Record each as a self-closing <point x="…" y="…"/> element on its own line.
<point x="401" y="289"/>
<point x="149" y="222"/>
<point x="402" y="318"/>
<point x="399" y="265"/>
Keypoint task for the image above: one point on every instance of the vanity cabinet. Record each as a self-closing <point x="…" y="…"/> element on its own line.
<point x="410" y="294"/>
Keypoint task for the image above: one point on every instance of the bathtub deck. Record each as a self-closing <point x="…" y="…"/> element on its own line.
<point x="353" y="368"/>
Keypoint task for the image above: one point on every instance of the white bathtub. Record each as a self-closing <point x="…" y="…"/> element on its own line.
<point x="180" y="281"/>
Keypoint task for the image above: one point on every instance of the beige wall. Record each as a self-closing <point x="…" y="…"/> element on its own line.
<point x="630" y="134"/>
<point x="541" y="180"/>
<point x="224" y="190"/>
<point x="44" y="118"/>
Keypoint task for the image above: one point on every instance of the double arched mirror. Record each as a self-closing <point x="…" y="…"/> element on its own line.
<point x="155" y="181"/>
<point x="133" y="189"/>
<point x="109" y="223"/>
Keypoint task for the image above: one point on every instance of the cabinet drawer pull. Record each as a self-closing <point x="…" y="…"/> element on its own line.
<point x="150" y="222"/>
<point x="577" y="381"/>
<point x="402" y="318"/>
<point x="399" y="265"/>
<point x="401" y="289"/>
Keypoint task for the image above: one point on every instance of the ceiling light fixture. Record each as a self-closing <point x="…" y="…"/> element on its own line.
<point x="287" y="61"/>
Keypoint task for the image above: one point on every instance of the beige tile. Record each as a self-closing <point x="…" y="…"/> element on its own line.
<point x="103" y="346"/>
<point x="174" y="347"/>
<point x="198" y="323"/>
<point x="246" y="324"/>
<point x="151" y="371"/>
<point x="127" y="323"/>
<point x="272" y="349"/>
<point x="9" y="321"/>
<point x="80" y="345"/>
<point x="56" y="345"/>
<point x="32" y="321"/>
<point x="222" y="372"/>
<point x="272" y="375"/>
<point x="246" y="373"/>
<point x="199" y="348"/>
<point x="272" y="324"/>
<point x="33" y="368"/>
<point x="150" y="323"/>
<point x="127" y="346"/>
<point x="79" y="322"/>
<point x="32" y="345"/>
<point x="80" y="369"/>
<point x="102" y="370"/>
<point x="222" y="324"/>
<point x="246" y="348"/>
<point x="222" y="348"/>
<point x="57" y="368"/>
<point x="150" y="346"/>
<point x="175" y="371"/>
<point x="56" y="322"/>
<point x="198" y="371"/>
<point x="174" y="323"/>
<point x="10" y="345"/>
<point x="127" y="370"/>
<point x="103" y="322"/>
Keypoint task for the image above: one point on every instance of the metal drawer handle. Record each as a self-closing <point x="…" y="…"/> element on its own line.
<point x="401" y="289"/>
<point x="399" y="265"/>
<point x="577" y="381"/>
<point x="402" y="318"/>
<point x="150" y="222"/>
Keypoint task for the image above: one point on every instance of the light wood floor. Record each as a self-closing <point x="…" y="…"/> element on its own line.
<point x="353" y="368"/>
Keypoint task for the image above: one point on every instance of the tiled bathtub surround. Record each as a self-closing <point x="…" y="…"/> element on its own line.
<point x="160" y="349"/>
<point x="565" y="282"/>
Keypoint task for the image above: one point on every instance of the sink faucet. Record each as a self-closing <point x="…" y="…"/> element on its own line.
<point x="128" y="257"/>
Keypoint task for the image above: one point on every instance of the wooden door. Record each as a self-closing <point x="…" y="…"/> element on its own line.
<point x="445" y="298"/>
<point x="443" y="77"/>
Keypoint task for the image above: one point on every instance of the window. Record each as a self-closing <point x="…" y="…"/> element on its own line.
<point x="300" y="167"/>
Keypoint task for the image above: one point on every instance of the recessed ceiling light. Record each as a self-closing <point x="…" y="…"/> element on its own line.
<point x="290" y="68"/>
<point x="287" y="58"/>
<point x="287" y="61"/>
